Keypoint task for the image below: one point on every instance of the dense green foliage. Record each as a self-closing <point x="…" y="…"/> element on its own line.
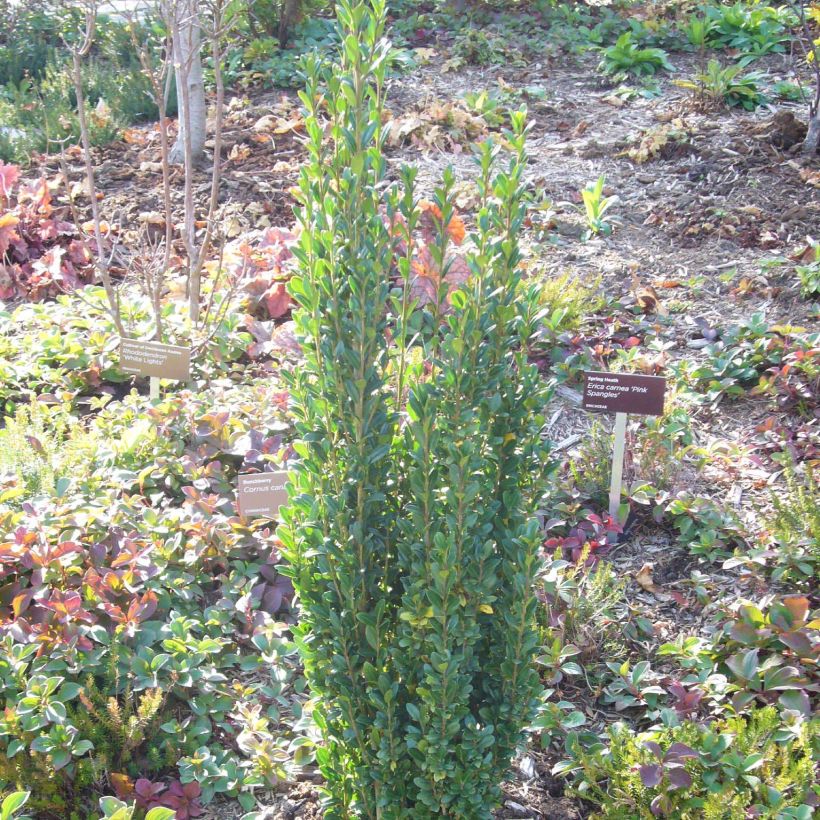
<point x="137" y="599"/>
<point x="410" y="537"/>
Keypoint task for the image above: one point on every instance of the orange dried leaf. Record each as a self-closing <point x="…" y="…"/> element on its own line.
<point x="645" y="580"/>
<point x="456" y="229"/>
<point x="123" y="785"/>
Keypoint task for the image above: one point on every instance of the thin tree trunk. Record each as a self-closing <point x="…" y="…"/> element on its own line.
<point x="812" y="136"/>
<point x="101" y="262"/>
<point x="187" y="37"/>
<point x="811" y="54"/>
<point x="184" y="31"/>
<point x="195" y="283"/>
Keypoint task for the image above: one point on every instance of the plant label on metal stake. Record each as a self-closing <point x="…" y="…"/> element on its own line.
<point x="155" y="360"/>
<point x="262" y="495"/>
<point x="622" y="393"/>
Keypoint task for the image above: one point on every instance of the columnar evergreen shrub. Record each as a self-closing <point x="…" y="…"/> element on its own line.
<point x="410" y="531"/>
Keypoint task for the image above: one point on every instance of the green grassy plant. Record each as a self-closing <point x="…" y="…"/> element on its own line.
<point x="39" y="445"/>
<point x="575" y="298"/>
<point x="794" y="523"/>
<point x="596" y="206"/>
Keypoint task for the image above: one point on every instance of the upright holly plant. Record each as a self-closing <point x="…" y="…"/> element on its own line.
<point x="410" y="530"/>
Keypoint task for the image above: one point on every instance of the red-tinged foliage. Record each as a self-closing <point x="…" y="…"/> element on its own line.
<point x="687" y="701"/>
<point x="261" y="266"/>
<point x="427" y="274"/>
<point x="795" y="383"/>
<point x="49" y="592"/>
<point x="41" y="254"/>
<point x="591" y="536"/>
<point x="184" y="799"/>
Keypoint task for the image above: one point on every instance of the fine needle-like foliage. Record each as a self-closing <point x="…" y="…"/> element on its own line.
<point x="410" y="531"/>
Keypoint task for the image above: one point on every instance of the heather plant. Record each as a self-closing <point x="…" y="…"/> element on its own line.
<point x="737" y="767"/>
<point x="794" y="524"/>
<point x="40" y="447"/>
<point x="410" y="533"/>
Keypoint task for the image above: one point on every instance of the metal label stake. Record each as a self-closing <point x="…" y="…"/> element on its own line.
<point x="154" y="388"/>
<point x="617" y="465"/>
<point x="621" y="393"/>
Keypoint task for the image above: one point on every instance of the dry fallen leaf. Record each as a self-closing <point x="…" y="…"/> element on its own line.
<point x="135" y="136"/>
<point x="123" y="785"/>
<point x="88" y="227"/>
<point x="645" y="580"/>
<point x="811" y="177"/>
<point x="151" y="218"/>
<point x="806" y="253"/>
<point x="424" y="55"/>
<point x="239" y="152"/>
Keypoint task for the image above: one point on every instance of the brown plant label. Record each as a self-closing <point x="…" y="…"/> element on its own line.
<point x="142" y="358"/>
<point x="624" y="393"/>
<point x="261" y="495"/>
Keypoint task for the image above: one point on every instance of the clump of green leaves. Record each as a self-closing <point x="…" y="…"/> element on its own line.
<point x="754" y="29"/>
<point x="475" y="46"/>
<point x="411" y="533"/>
<point x="725" y="86"/>
<point x="808" y="275"/>
<point x="596" y="206"/>
<point x="760" y="655"/>
<point x="261" y="59"/>
<point x="490" y="105"/>
<point x="626" y="58"/>
<point x="778" y="357"/>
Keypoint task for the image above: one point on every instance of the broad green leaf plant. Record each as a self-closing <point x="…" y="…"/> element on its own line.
<point x="411" y="533"/>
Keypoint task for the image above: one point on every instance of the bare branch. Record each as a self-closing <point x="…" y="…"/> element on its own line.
<point x="78" y="53"/>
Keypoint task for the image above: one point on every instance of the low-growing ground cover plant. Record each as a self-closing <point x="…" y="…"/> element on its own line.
<point x="626" y="57"/>
<point x="718" y="85"/>
<point x="42" y="252"/>
<point x="735" y="766"/>
<point x="132" y="596"/>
